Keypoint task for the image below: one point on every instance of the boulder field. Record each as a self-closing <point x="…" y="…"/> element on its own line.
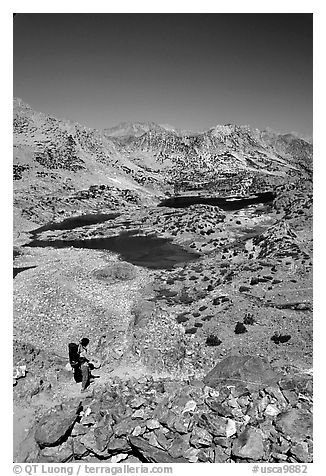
<point x="263" y="416"/>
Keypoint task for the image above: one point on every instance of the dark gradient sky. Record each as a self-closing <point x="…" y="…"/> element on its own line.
<point x="192" y="71"/>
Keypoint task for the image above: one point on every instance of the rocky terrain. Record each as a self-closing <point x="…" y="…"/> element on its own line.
<point x="201" y="315"/>
<point x="246" y="412"/>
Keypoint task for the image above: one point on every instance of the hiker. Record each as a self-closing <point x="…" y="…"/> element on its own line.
<point x="84" y="363"/>
<point x="74" y="361"/>
<point x="80" y="364"/>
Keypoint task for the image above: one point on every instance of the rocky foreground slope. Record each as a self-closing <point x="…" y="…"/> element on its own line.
<point x="246" y="412"/>
<point x="188" y="309"/>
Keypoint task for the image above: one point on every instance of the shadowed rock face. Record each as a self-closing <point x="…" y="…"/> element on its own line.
<point x="54" y="427"/>
<point x="152" y="454"/>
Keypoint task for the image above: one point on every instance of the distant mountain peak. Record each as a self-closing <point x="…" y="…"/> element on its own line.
<point x="135" y="129"/>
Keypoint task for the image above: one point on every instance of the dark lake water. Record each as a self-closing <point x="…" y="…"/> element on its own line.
<point x="147" y="251"/>
<point x="76" y="222"/>
<point x="227" y="204"/>
<point x="19" y="270"/>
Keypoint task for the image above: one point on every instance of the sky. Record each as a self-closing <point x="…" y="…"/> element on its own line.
<point x="192" y="71"/>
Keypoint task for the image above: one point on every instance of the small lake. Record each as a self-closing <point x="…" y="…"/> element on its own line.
<point x="76" y="222"/>
<point x="19" y="270"/>
<point x="147" y="251"/>
<point x="226" y="204"/>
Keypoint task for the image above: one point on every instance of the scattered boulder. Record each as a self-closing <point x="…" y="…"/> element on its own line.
<point x="244" y="289"/>
<point x="152" y="454"/>
<point x="179" y="446"/>
<point x="125" y="427"/>
<point x="119" y="457"/>
<point x="302" y="452"/>
<point x="79" y="450"/>
<point x="297" y="384"/>
<point x="252" y="371"/>
<point x="200" y="437"/>
<point x="97" y="442"/>
<point x="219" y="455"/>
<point x="206" y="455"/>
<point x="79" y="430"/>
<point x="58" y="454"/>
<point x="137" y="402"/>
<point x="140" y="413"/>
<point x="191" y="454"/>
<point x="215" y="424"/>
<point x="54" y="426"/>
<point x="118" y="445"/>
<point x="181" y="425"/>
<point x="295" y="423"/>
<point x="162" y="440"/>
<point x="275" y="392"/>
<point x="271" y="410"/>
<point x="153" y="424"/>
<point x="249" y="445"/>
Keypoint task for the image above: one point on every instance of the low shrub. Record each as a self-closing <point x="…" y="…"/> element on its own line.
<point x="249" y="319"/>
<point x="213" y="341"/>
<point x="240" y="328"/>
<point x="182" y="318"/>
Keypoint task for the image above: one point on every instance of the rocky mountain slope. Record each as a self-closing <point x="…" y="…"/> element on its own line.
<point x="175" y="301"/>
<point x="55" y="160"/>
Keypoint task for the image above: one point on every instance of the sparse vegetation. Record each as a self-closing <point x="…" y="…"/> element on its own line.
<point x="249" y="319"/>
<point x="213" y="341"/>
<point x="240" y="328"/>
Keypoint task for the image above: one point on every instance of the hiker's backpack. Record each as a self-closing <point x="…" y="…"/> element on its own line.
<point x="73" y="355"/>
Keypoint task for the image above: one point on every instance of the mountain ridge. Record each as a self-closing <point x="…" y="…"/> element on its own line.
<point x="58" y="158"/>
<point x="19" y="102"/>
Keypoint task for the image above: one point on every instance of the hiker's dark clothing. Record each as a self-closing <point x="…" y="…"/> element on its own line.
<point x="86" y="373"/>
<point x="80" y="364"/>
<point x="74" y="361"/>
<point x="77" y="374"/>
<point x="84" y="366"/>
